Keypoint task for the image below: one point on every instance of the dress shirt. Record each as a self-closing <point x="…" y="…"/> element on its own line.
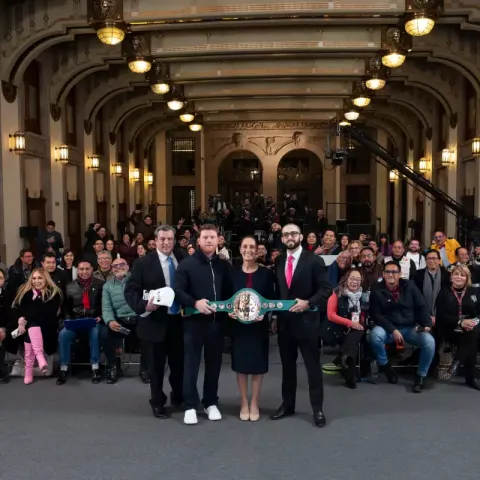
<point x="296" y="256"/>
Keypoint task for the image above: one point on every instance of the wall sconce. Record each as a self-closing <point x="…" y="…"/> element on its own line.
<point x="423" y="165"/>
<point x="135" y="174"/>
<point x="149" y="178"/>
<point x="393" y="175"/>
<point x="476" y="147"/>
<point x="446" y="157"/>
<point x="17" y="143"/>
<point x="63" y="154"/>
<point x="117" y="169"/>
<point x="94" y="162"/>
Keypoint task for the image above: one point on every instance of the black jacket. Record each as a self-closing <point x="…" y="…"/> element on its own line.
<point x="198" y="277"/>
<point x="73" y="305"/>
<point x="447" y="307"/>
<point x="147" y="274"/>
<point x="419" y="278"/>
<point x="409" y="311"/>
<point x="309" y="282"/>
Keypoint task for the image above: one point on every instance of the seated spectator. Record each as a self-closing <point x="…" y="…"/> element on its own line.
<point x="110" y="247"/>
<point x="344" y="242"/>
<point x="371" y="271"/>
<point x="329" y="245"/>
<point x="20" y="271"/>
<point x="127" y="248"/>
<point x="446" y="247"/>
<point x="384" y="245"/>
<point x="346" y="322"/>
<point x="91" y="257"/>
<point x="68" y="266"/>
<point x="5" y="302"/>
<point x="415" y="254"/>
<point x="463" y="258"/>
<point x="339" y="267"/>
<point x="312" y="244"/>
<point x="151" y="245"/>
<point x="49" y="263"/>
<point x="407" y="265"/>
<point x="104" y="270"/>
<point x="141" y="250"/>
<point x="378" y="256"/>
<point x="397" y="308"/>
<point x="431" y="280"/>
<point x="117" y="314"/>
<point x="222" y="249"/>
<point x="145" y="226"/>
<point x="35" y="311"/>
<point x="458" y="314"/>
<point x="83" y="299"/>
<point x="355" y="248"/>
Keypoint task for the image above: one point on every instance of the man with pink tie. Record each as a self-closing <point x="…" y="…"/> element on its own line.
<point x="301" y="276"/>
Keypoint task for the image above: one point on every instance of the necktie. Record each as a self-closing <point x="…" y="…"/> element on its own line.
<point x="171" y="271"/>
<point x="289" y="273"/>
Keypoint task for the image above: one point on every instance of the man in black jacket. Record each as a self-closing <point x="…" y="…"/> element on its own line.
<point x="49" y="263"/>
<point x="201" y="278"/>
<point x="400" y="314"/>
<point x="301" y="276"/>
<point x="159" y="328"/>
<point x="83" y="299"/>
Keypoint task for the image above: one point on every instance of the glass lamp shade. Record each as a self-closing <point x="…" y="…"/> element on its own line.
<point x="393" y="59"/>
<point x="135" y="174"/>
<point x="111" y="34"/>
<point x="422" y="165"/>
<point x="94" y="163"/>
<point x="175" y="104"/>
<point x="139" y="65"/>
<point x="375" y="83"/>
<point x="362" y="101"/>
<point x="149" y="178"/>
<point x="419" y="25"/>
<point x="63" y="156"/>
<point x="117" y="169"/>
<point x="476" y="147"/>
<point x="393" y="175"/>
<point x="17" y="143"/>
<point x="195" y="127"/>
<point x="446" y="155"/>
<point x="344" y="123"/>
<point x="187" y="117"/>
<point x="351" y="115"/>
<point x="160" y="88"/>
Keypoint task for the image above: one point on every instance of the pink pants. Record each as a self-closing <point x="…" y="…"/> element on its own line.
<point x="34" y="350"/>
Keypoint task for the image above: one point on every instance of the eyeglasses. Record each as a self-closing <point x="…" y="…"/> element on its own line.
<point x="432" y="259"/>
<point x="290" y="234"/>
<point x="367" y="256"/>
<point x="119" y="265"/>
<point x="391" y="272"/>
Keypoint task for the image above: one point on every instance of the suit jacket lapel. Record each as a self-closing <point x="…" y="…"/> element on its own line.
<point x="280" y="268"/>
<point x="158" y="268"/>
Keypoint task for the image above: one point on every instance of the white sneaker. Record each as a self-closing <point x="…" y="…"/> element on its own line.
<point x="213" y="413"/>
<point x="190" y="417"/>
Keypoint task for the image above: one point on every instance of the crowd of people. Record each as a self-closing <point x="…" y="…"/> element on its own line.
<point x="366" y="297"/>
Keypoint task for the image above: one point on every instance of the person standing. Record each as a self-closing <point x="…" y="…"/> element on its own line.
<point x="203" y="277"/>
<point x="251" y="341"/>
<point x="301" y="276"/>
<point x="159" y="328"/>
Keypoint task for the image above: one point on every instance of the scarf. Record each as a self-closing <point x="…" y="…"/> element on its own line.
<point x="86" y="284"/>
<point x="431" y="291"/>
<point x="354" y="299"/>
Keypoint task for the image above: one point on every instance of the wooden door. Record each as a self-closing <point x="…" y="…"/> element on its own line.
<point x="36" y="218"/>
<point x="102" y="213"/>
<point x="74" y="227"/>
<point x="182" y="203"/>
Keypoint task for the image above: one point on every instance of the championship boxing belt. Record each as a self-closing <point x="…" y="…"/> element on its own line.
<point x="248" y="305"/>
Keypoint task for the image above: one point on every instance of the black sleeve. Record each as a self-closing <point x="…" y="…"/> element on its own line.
<point x="134" y="289"/>
<point x="442" y="318"/>
<point x="182" y="286"/>
<point x="322" y="287"/>
<point x="422" y="314"/>
<point x="376" y="314"/>
<point x="98" y="302"/>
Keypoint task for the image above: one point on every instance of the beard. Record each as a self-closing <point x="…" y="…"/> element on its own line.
<point x="292" y="244"/>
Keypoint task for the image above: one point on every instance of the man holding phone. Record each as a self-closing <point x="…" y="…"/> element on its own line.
<point x="401" y="316"/>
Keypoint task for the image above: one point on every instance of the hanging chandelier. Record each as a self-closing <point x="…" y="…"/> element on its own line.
<point x="106" y="17"/>
<point x="138" y="52"/>
<point x="159" y="78"/>
<point x="376" y="73"/>
<point x="395" y="46"/>
<point x="361" y="95"/>
<point x="422" y="15"/>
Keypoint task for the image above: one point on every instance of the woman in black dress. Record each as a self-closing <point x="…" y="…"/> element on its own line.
<point x="250" y="342"/>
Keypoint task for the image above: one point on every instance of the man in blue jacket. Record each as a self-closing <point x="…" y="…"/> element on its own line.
<point x="201" y="278"/>
<point x="401" y="315"/>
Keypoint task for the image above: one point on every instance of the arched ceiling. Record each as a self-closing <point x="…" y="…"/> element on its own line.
<point x="243" y="60"/>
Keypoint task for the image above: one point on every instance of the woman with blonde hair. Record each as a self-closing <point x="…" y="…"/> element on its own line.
<point x="457" y="318"/>
<point x="35" y="310"/>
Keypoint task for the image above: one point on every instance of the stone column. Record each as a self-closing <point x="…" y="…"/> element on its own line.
<point x="427" y="202"/>
<point x="160" y="177"/>
<point x="11" y="185"/>
<point x="202" y="198"/>
<point x="269" y="174"/>
<point x="131" y="183"/>
<point x="90" y="195"/>
<point x="397" y="200"/>
<point x="381" y="185"/>
<point x="112" y="188"/>
<point x="410" y="190"/>
<point x="451" y="220"/>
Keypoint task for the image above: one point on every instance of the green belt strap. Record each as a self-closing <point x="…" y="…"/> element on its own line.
<point x="247" y="304"/>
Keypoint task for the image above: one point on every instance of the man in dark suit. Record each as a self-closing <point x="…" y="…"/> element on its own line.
<point x="159" y="328"/>
<point x="301" y="276"/>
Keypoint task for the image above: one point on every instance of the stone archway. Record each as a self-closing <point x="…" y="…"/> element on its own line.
<point x="240" y="175"/>
<point x="299" y="172"/>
